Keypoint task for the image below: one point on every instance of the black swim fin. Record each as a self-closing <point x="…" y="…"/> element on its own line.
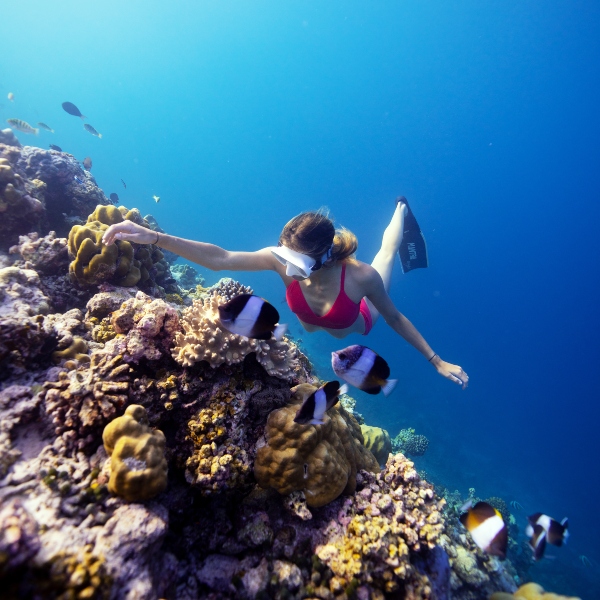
<point x="413" y="249"/>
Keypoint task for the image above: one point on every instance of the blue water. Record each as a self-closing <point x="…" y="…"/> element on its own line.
<point x="240" y="115"/>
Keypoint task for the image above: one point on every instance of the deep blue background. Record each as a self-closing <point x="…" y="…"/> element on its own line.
<point x="484" y="114"/>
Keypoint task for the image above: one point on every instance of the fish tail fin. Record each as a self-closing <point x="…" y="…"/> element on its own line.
<point x="389" y="386"/>
<point x="100" y="135"/>
<point x="82" y="117"/>
<point x="343" y="389"/>
<point x="36" y="131"/>
<point x="279" y="331"/>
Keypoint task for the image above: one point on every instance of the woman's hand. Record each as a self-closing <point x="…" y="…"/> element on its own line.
<point x="130" y="232"/>
<point x="451" y="372"/>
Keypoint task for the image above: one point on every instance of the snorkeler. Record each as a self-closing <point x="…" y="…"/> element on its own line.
<point x="327" y="288"/>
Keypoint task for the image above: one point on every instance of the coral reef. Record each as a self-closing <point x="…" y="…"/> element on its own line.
<point x="186" y="276"/>
<point x="144" y="328"/>
<point x="80" y="403"/>
<point x="321" y="461"/>
<point x="138" y="468"/>
<point x="408" y="442"/>
<point x="46" y="255"/>
<point x="202" y="339"/>
<point x="378" y="441"/>
<point x="122" y="263"/>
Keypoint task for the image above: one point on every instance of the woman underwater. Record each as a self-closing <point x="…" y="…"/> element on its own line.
<point x="327" y="288"/>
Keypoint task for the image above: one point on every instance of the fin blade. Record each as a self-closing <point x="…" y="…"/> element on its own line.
<point x="389" y="386"/>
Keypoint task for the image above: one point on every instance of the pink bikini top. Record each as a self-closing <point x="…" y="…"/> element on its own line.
<point x="342" y="314"/>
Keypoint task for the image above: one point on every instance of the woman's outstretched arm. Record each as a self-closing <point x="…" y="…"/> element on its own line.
<point x="402" y="326"/>
<point x="207" y="255"/>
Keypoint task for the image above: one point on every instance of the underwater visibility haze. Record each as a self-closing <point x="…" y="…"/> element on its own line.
<point x="223" y="120"/>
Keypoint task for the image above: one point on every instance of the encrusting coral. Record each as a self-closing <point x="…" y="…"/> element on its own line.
<point x="378" y="441"/>
<point x="320" y="460"/>
<point x="203" y="338"/>
<point x="138" y="468"/>
<point x="531" y="591"/>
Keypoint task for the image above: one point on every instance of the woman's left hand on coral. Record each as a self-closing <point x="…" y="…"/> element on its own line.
<point x="452" y="372"/>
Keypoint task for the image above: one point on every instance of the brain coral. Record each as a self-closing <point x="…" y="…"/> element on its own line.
<point x="321" y="460"/>
<point x="122" y="263"/>
<point x="138" y="465"/>
<point x="202" y="338"/>
<point x="378" y="441"/>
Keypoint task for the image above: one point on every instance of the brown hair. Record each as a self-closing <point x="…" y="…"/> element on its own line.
<point x="313" y="233"/>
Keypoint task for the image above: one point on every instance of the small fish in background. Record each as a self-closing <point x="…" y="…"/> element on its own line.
<point x="114" y="198"/>
<point x="156" y="199"/>
<point x="22" y="126"/>
<point x="11" y="96"/>
<point x="124" y="184"/>
<point x="364" y="369"/>
<point x="72" y="110"/>
<point x="542" y="529"/>
<point x="252" y="317"/>
<point x="91" y="130"/>
<point x="78" y="180"/>
<point x="87" y="163"/>
<point x="55" y="147"/>
<point x="46" y="127"/>
<point x="313" y="409"/>
<point x="486" y="526"/>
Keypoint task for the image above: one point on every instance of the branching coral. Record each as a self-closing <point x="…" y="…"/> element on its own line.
<point x="320" y="460"/>
<point x="408" y="442"/>
<point x="138" y="468"/>
<point x="203" y="338"/>
<point x="396" y="514"/>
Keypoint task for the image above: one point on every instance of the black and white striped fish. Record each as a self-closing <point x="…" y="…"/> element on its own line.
<point x="313" y="409"/>
<point x="486" y="526"/>
<point x="542" y="529"/>
<point x="364" y="369"/>
<point x="251" y="316"/>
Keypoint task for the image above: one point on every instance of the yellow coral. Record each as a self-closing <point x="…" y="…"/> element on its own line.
<point x="77" y="350"/>
<point x="217" y="463"/>
<point x="123" y="263"/>
<point x="378" y="441"/>
<point x="138" y="464"/>
<point x="321" y="460"/>
<point x="531" y="591"/>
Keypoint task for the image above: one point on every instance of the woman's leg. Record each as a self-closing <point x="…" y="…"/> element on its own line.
<point x="383" y="262"/>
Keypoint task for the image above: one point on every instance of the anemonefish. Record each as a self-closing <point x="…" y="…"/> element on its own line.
<point x="364" y="369"/>
<point x="252" y="317"/>
<point x="313" y="409"/>
<point x="542" y="529"/>
<point x="486" y="526"/>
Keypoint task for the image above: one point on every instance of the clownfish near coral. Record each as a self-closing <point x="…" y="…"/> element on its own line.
<point x="313" y="409"/>
<point x="252" y="317"/>
<point x="486" y="526"/>
<point x="364" y="369"/>
<point x="542" y="529"/>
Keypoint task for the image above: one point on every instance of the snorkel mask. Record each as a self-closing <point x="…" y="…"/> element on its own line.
<point x="297" y="263"/>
